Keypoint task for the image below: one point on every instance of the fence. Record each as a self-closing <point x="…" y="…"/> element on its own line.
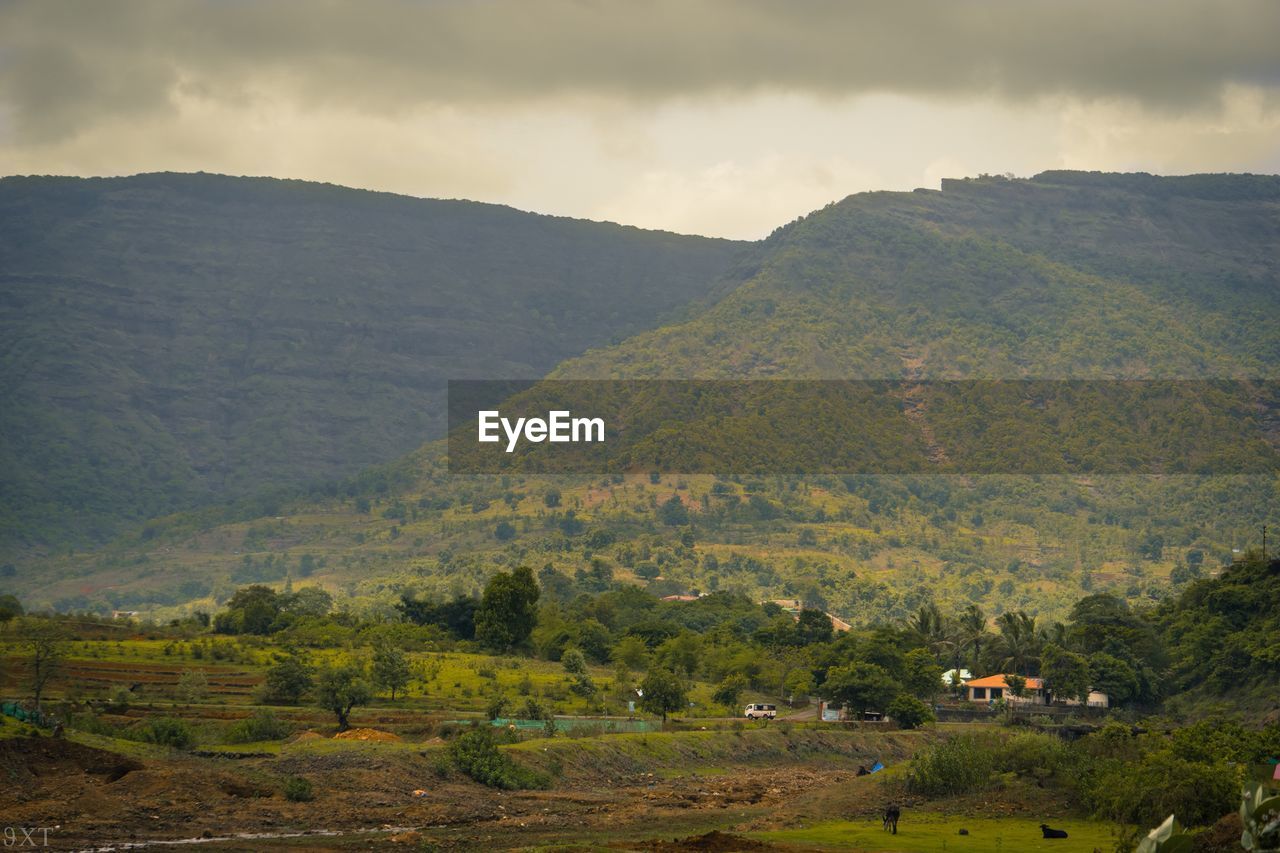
<point x="569" y="725"/>
<point x="13" y="709"/>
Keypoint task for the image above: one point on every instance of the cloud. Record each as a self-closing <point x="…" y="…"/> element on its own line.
<point x="66" y="66"/>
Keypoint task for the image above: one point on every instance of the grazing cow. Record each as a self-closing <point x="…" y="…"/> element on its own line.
<point x="1052" y="833"/>
<point x="891" y="815"/>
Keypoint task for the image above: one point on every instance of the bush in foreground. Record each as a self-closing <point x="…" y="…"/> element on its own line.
<point x="298" y="790"/>
<point x="168" y="732"/>
<point x="476" y="755"/>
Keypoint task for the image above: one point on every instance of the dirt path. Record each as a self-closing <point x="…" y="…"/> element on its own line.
<point x="915" y="407"/>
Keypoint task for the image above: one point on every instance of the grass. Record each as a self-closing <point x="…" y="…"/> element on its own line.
<point x="924" y="833"/>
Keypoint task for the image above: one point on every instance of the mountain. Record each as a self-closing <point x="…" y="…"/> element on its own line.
<point x="1064" y="275"/>
<point x="1061" y="275"/>
<point x="170" y="340"/>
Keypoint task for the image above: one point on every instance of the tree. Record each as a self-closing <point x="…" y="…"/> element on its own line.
<point x="632" y="652"/>
<point x="45" y="643"/>
<point x="308" y="601"/>
<point x="288" y="680"/>
<point x="252" y="610"/>
<point x="193" y="686"/>
<point x="860" y="687"/>
<point x="1018" y="645"/>
<point x="508" y="610"/>
<point x="10" y="607"/>
<point x="798" y="685"/>
<point x="672" y="512"/>
<point x="728" y="691"/>
<point x="813" y="626"/>
<point x="551" y="498"/>
<point x="341" y="688"/>
<point x="973" y="624"/>
<point x="574" y="662"/>
<point x="1112" y="676"/>
<point x="682" y="652"/>
<point x="390" y="667"/>
<point x="504" y="532"/>
<point x="921" y="674"/>
<point x="909" y="712"/>
<point x="1017" y="685"/>
<point x="1066" y="674"/>
<point x="662" y="692"/>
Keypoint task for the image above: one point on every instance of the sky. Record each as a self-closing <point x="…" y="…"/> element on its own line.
<point x="718" y="117"/>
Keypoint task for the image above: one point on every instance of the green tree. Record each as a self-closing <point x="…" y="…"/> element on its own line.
<point x="1066" y="674"/>
<point x="288" y="680"/>
<point x="798" y="685"/>
<point x="9" y="607"/>
<point x="1017" y="647"/>
<point x="973" y="626"/>
<point x="508" y="611"/>
<point x="662" y="692"/>
<point x="390" y="667"/>
<point x="921" y="674"/>
<point x="813" y="626"/>
<point x="909" y="712"/>
<point x="860" y="687"/>
<point x="1114" y="677"/>
<point x="729" y="690"/>
<point x="682" y="652"/>
<point x="340" y="689"/>
<point x="574" y="662"/>
<point x="672" y="512"/>
<point x="632" y="652"/>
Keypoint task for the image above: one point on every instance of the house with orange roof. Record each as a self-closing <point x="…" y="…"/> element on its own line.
<point x="994" y="688"/>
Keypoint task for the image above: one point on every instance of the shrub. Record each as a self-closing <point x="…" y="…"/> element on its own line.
<point x="954" y="766"/>
<point x="1160" y="784"/>
<point x="909" y="712"/>
<point x="476" y="755"/>
<point x="264" y="725"/>
<point x="169" y="732"/>
<point x="1034" y="754"/>
<point x="298" y="790"/>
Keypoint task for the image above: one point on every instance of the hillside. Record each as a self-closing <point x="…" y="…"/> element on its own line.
<point x="1065" y="275"/>
<point x="171" y="340"/>
<point x="1062" y="275"/>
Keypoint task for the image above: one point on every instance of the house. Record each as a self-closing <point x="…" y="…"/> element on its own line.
<point x="993" y="688"/>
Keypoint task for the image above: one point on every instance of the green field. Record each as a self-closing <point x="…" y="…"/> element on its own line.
<point x="925" y="832"/>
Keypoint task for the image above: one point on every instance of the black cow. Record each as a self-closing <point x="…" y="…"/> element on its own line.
<point x="1052" y="833"/>
<point x="891" y="815"/>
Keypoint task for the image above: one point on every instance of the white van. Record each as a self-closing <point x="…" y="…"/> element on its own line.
<point x="757" y="711"/>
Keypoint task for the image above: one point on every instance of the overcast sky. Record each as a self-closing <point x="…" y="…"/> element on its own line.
<point x="703" y="116"/>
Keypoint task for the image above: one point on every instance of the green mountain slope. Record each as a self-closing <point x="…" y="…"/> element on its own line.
<point x="1065" y="275"/>
<point x="167" y="339"/>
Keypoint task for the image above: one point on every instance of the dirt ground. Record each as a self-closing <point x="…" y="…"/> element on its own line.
<point x="91" y="799"/>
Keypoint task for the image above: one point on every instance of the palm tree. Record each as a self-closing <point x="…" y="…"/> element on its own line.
<point x="929" y="623"/>
<point x="973" y="627"/>
<point x="1018" y="645"/>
